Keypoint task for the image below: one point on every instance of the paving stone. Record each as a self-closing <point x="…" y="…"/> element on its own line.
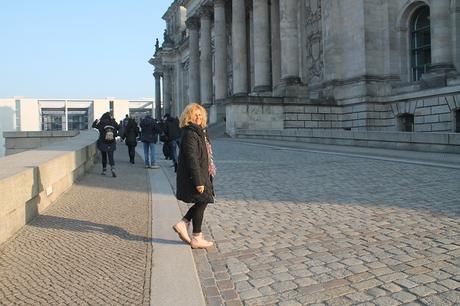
<point x="422" y="291"/>
<point x="404" y="297"/>
<point x="386" y="301"/>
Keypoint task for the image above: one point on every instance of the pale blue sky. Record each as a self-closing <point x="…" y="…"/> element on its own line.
<point x="79" y="48"/>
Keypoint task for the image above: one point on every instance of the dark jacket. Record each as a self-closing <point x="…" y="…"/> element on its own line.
<point x="172" y="129"/>
<point x="192" y="169"/>
<point x="131" y="133"/>
<point x="105" y="121"/>
<point x="150" y="130"/>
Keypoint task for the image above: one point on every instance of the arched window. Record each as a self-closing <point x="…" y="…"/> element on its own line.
<point x="406" y="122"/>
<point x="420" y="42"/>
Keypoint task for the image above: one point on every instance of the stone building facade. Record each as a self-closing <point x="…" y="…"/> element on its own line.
<point x="368" y="65"/>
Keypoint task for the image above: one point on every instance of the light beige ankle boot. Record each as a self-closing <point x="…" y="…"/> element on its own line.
<point x="181" y="229"/>
<point x="198" y="242"/>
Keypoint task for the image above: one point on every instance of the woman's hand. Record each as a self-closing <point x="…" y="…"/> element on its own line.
<point x="200" y="189"/>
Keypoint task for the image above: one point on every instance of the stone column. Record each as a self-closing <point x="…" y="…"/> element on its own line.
<point x="239" y="48"/>
<point x="220" y="54"/>
<point x="194" y="61"/>
<point x="262" y="80"/>
<point x="441" y="36"/>
<point x="275" y="41"/>
<point x="167" y="90"/>
<point x="157" y="76"/>
<point x="289" y="41"/>
<point x="206" y="56"/>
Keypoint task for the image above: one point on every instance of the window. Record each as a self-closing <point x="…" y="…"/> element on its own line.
<point x="420" y="42"/>
<point x="111" y="107"/>
<point x="52" y="119"/>
<point x="457" y="121"/>
<point x="139" y="113"/>
<point x="78" y="118"/>
<point x="406" y="123"/>
<point x="18" y="115"/>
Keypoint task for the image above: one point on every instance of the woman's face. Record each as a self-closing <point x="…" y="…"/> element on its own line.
<point x="197" y="117"/>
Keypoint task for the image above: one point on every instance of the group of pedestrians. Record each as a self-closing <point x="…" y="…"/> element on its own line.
<point x="193" y="163"/>
<point x="128" y="131"/>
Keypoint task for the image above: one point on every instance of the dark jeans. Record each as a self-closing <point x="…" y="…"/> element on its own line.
<point x="104" y="159"/>
<point x="174" y="144"/>
<point x="195" y="214"/>
<point x="132" y="153"/>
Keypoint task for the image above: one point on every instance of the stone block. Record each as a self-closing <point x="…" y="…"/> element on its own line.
<point x="311" y="109"/>
<point x="311" y="124"/>
<point x="331" y="117"/>
<point x="324" y="124"/>
<point x="454" y="139"/>
<point x="324" y="109"/>
<point x="441" y="127"/>
<point x="441" y="109"/>
<point x="294" y="109"/>
<point x="294" y="124"/>
<point x="431" y="138"/>
<point x="290" y="117"/>
<point x="431" y="118"/>
<point x="423" y="111"/>
<point x="432" y="101"/>
<point x="318" y="117"/>
<point x="304" y="116"/>
<point x="422" y="128"/>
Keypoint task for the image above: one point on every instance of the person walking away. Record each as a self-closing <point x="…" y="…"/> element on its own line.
<point x="130" y="137"/>
<point x="173" y="134"/>
<point x="106" y="143"/>
<point x="195" y="173"/>
<point x="149" y="137"/>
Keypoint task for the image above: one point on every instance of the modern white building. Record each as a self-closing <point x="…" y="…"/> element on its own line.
<point x="33" y="114"/>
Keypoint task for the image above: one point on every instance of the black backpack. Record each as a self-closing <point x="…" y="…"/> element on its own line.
<point x="110" y="133"/>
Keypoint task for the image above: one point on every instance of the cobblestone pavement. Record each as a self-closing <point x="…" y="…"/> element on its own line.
<point x="91" y="247"/>
<point x="300" y="228"/>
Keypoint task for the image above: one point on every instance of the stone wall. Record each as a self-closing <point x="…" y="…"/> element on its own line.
<point x="31" y="181"/>
<point x="432" y="113"/>
<point x="16" y="142"/>
<point x="428" y="142"/>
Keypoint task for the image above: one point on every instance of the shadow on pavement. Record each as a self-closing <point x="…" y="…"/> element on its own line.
<point x="54" y="222"/>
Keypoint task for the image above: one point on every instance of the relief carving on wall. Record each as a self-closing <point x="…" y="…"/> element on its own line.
<point x="313" y="45"/>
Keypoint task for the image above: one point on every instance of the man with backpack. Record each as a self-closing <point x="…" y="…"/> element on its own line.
<point x="106" y="143"/>
<point x="149" y="137"/>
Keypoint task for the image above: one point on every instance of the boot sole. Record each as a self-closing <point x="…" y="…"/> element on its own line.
<point x="199" y="247"/>
<point x="180" y="235"/>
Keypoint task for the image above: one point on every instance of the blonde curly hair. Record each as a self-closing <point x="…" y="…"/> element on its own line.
<point x="187" y="115"/>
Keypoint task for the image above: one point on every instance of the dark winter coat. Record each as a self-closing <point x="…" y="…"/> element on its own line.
<point x="172" y="129"/>
<point x="131" y="133"/>
<point x="150" y="130"/>
<point x="102" y="144"/>
<point x="192" y="168"/>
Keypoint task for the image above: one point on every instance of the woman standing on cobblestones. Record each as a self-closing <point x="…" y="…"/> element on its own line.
<point x="195" y="173"/>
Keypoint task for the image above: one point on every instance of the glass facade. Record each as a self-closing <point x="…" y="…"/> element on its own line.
<point x="139" y="113"/>
<point x="52" y="119"/>
<point x="78" y="118"/>
<point x="420" y="42"/>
